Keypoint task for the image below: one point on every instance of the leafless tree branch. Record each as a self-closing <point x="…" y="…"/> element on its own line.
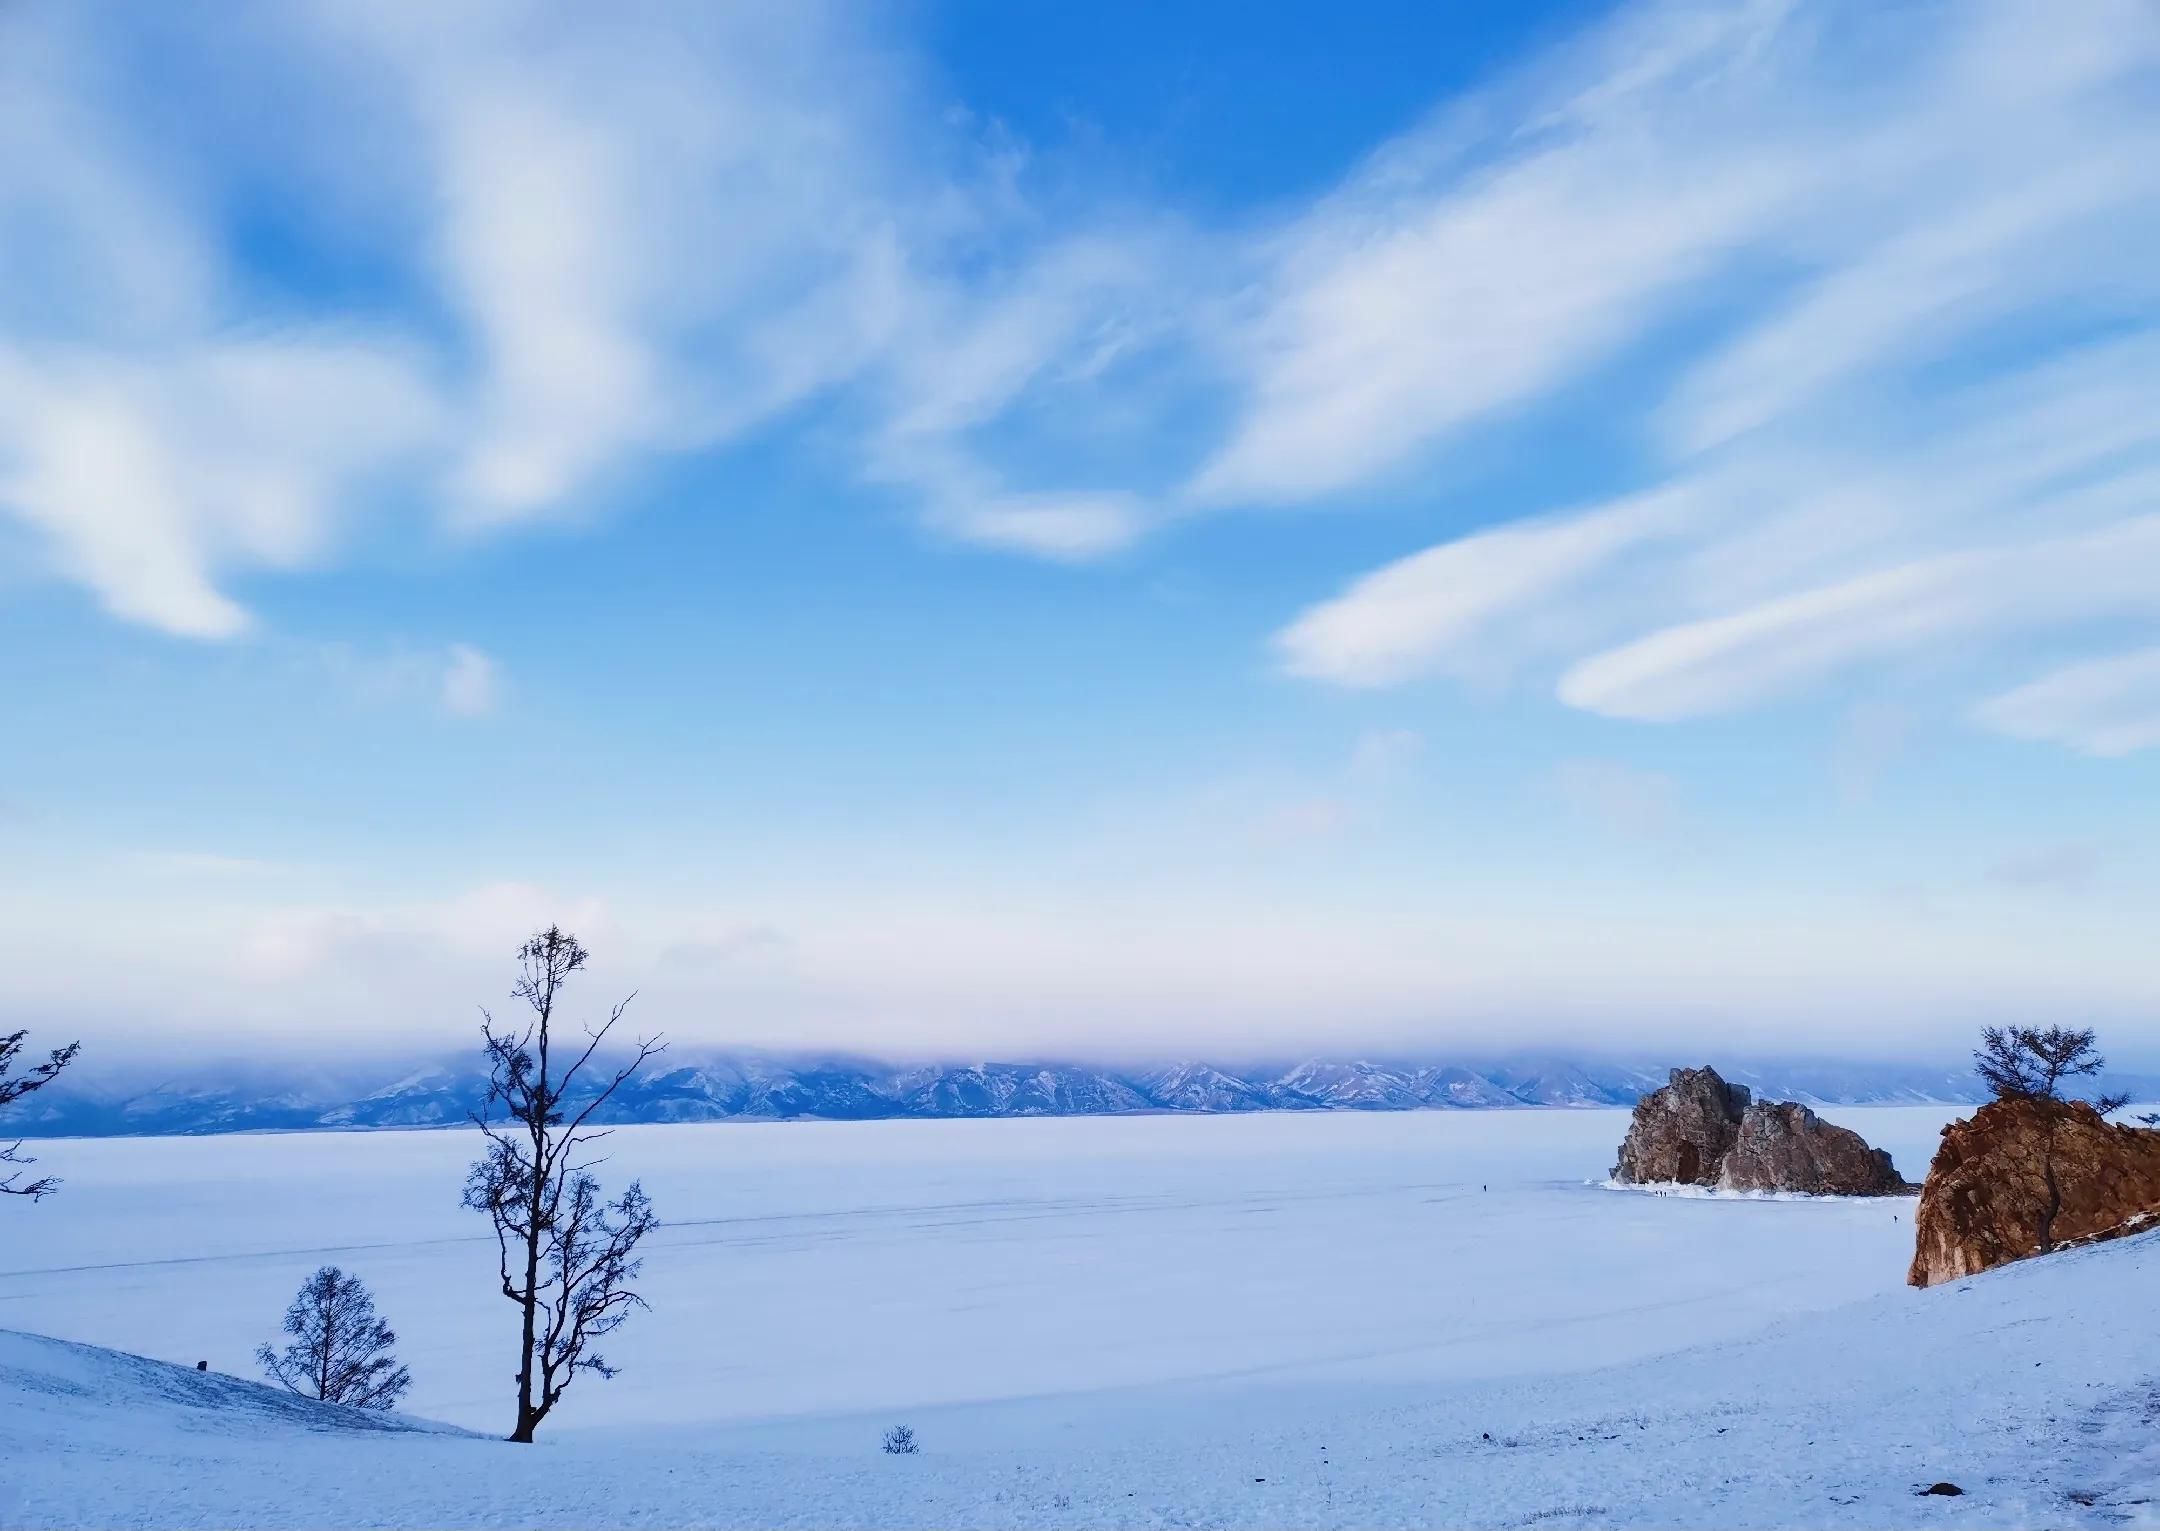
<point x="27" y="1082"/>
<point x="567" y="1256"/>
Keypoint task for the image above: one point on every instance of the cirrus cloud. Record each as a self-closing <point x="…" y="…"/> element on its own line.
<point x="1914" y="419"/>
<point x="2104" y="707"/>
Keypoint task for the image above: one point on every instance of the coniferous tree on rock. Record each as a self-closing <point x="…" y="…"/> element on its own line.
<point x="567" y="1256"/>
<point x="340" y="1350"/>
<point x="2032" y="1170"/>
<point x="2025" y="1063"/>
<point x="28" y="1082"/>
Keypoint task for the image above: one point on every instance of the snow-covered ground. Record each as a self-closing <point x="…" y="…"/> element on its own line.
<point x="819" y="1267"/>
<point x="1088" y="1321"/>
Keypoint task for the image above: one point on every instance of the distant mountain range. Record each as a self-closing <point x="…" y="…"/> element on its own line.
<point x="728" y="1087"/>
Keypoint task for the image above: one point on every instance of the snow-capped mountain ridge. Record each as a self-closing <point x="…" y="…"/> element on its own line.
<point x="722" y="1087"/>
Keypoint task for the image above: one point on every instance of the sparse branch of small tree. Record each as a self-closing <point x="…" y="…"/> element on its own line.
<point x="26" y="1082"/>
<point x="340" y="1350"/>
<point x="566" y="1256"/>
<point x="2025" y="1063"/>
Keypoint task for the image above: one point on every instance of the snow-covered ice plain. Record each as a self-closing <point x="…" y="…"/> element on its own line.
<point x="1342" y="1319"/>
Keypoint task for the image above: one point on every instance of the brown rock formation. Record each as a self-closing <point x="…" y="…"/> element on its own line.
<point x="1783" y="1146"/>
<point x="1682" y="1132"/>
<point x="1699" y="1130"/>
<point x="2021" y="1177"/>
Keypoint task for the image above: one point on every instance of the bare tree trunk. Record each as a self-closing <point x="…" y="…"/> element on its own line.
<point x="2054" y="1201"/>
<point x="527" y="1418"/>
<point x="329" y="1349"/>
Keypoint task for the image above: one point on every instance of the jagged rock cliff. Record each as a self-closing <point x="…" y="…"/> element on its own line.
<point x="1699" y="1130"/>
<point x="1682" y="1132"/>
<point x="1783" y="1146"/>
<point x="2021" y="1177"/>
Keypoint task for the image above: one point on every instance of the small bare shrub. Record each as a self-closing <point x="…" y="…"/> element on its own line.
<point x="340" y="1351"/>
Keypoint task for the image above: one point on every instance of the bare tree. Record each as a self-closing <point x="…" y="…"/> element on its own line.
<point x="566" y="1256"/>
<point x="28" y="1082"/>
<point x="340" y="1350"/>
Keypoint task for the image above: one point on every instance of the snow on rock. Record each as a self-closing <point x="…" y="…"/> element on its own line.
<point x="1203" y="1087"/>
<point x="1016" y="1089"/>
<point x="2019" y="1177"/>
<point x="1358" y="1086"/>
<point x="1460" y="1087"/>
<point x="1547" y="1082"/>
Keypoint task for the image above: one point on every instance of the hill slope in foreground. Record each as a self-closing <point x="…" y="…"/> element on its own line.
<point x="2034" y="1388"/>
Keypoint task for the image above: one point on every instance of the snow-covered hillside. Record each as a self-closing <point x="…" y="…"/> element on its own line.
<point x="2032" y="1388"/>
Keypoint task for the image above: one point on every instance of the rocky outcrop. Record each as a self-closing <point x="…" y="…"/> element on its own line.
<point x="1700" y="1130"/>
<point x="1782" y="1146"/>
<point x="1682" y="1131"/>
<point x="2022" y="1177"/>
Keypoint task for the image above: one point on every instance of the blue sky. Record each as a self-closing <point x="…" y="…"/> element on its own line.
<point x="979" y="528"/>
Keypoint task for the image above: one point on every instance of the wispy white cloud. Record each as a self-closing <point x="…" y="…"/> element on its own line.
<point x="651" y="232"/>
<point x="459" y="680"/>
<point x="1870" y="740"/>
<point x="670" y="235"/>
<point x="2102" y="707"/>
<point x="1502" y="249"/>
<point x="1456" y="608"/>
<point x="155" y="447"/>
<point x="1916" y="293"/>
<point x="1384" y="756"/>
<point x="94" y="239"/>
<point x="1907" y="443"/>
<point x="1877" y="276"/>
<point x="1526" y="236"/>
<point x="151" y="476"/>
<point x="473" y="931"/>
<point x="1300" y="820"/>
<point x="1619" y="797"/>
<point x="1063" y="526"/>
<point x="1725" y="662"/>
<point x="205" y="865"/>
<point x="607" y="240"/>
<point x="1357" y="793"/>
<point x="469" y="682"/>
<point x="2069" y="867"/>
<point x="1018" y="964"/>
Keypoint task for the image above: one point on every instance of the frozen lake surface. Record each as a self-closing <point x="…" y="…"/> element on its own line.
<point x="843" y="1269"/>
<point x="1286" y="1320"/>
